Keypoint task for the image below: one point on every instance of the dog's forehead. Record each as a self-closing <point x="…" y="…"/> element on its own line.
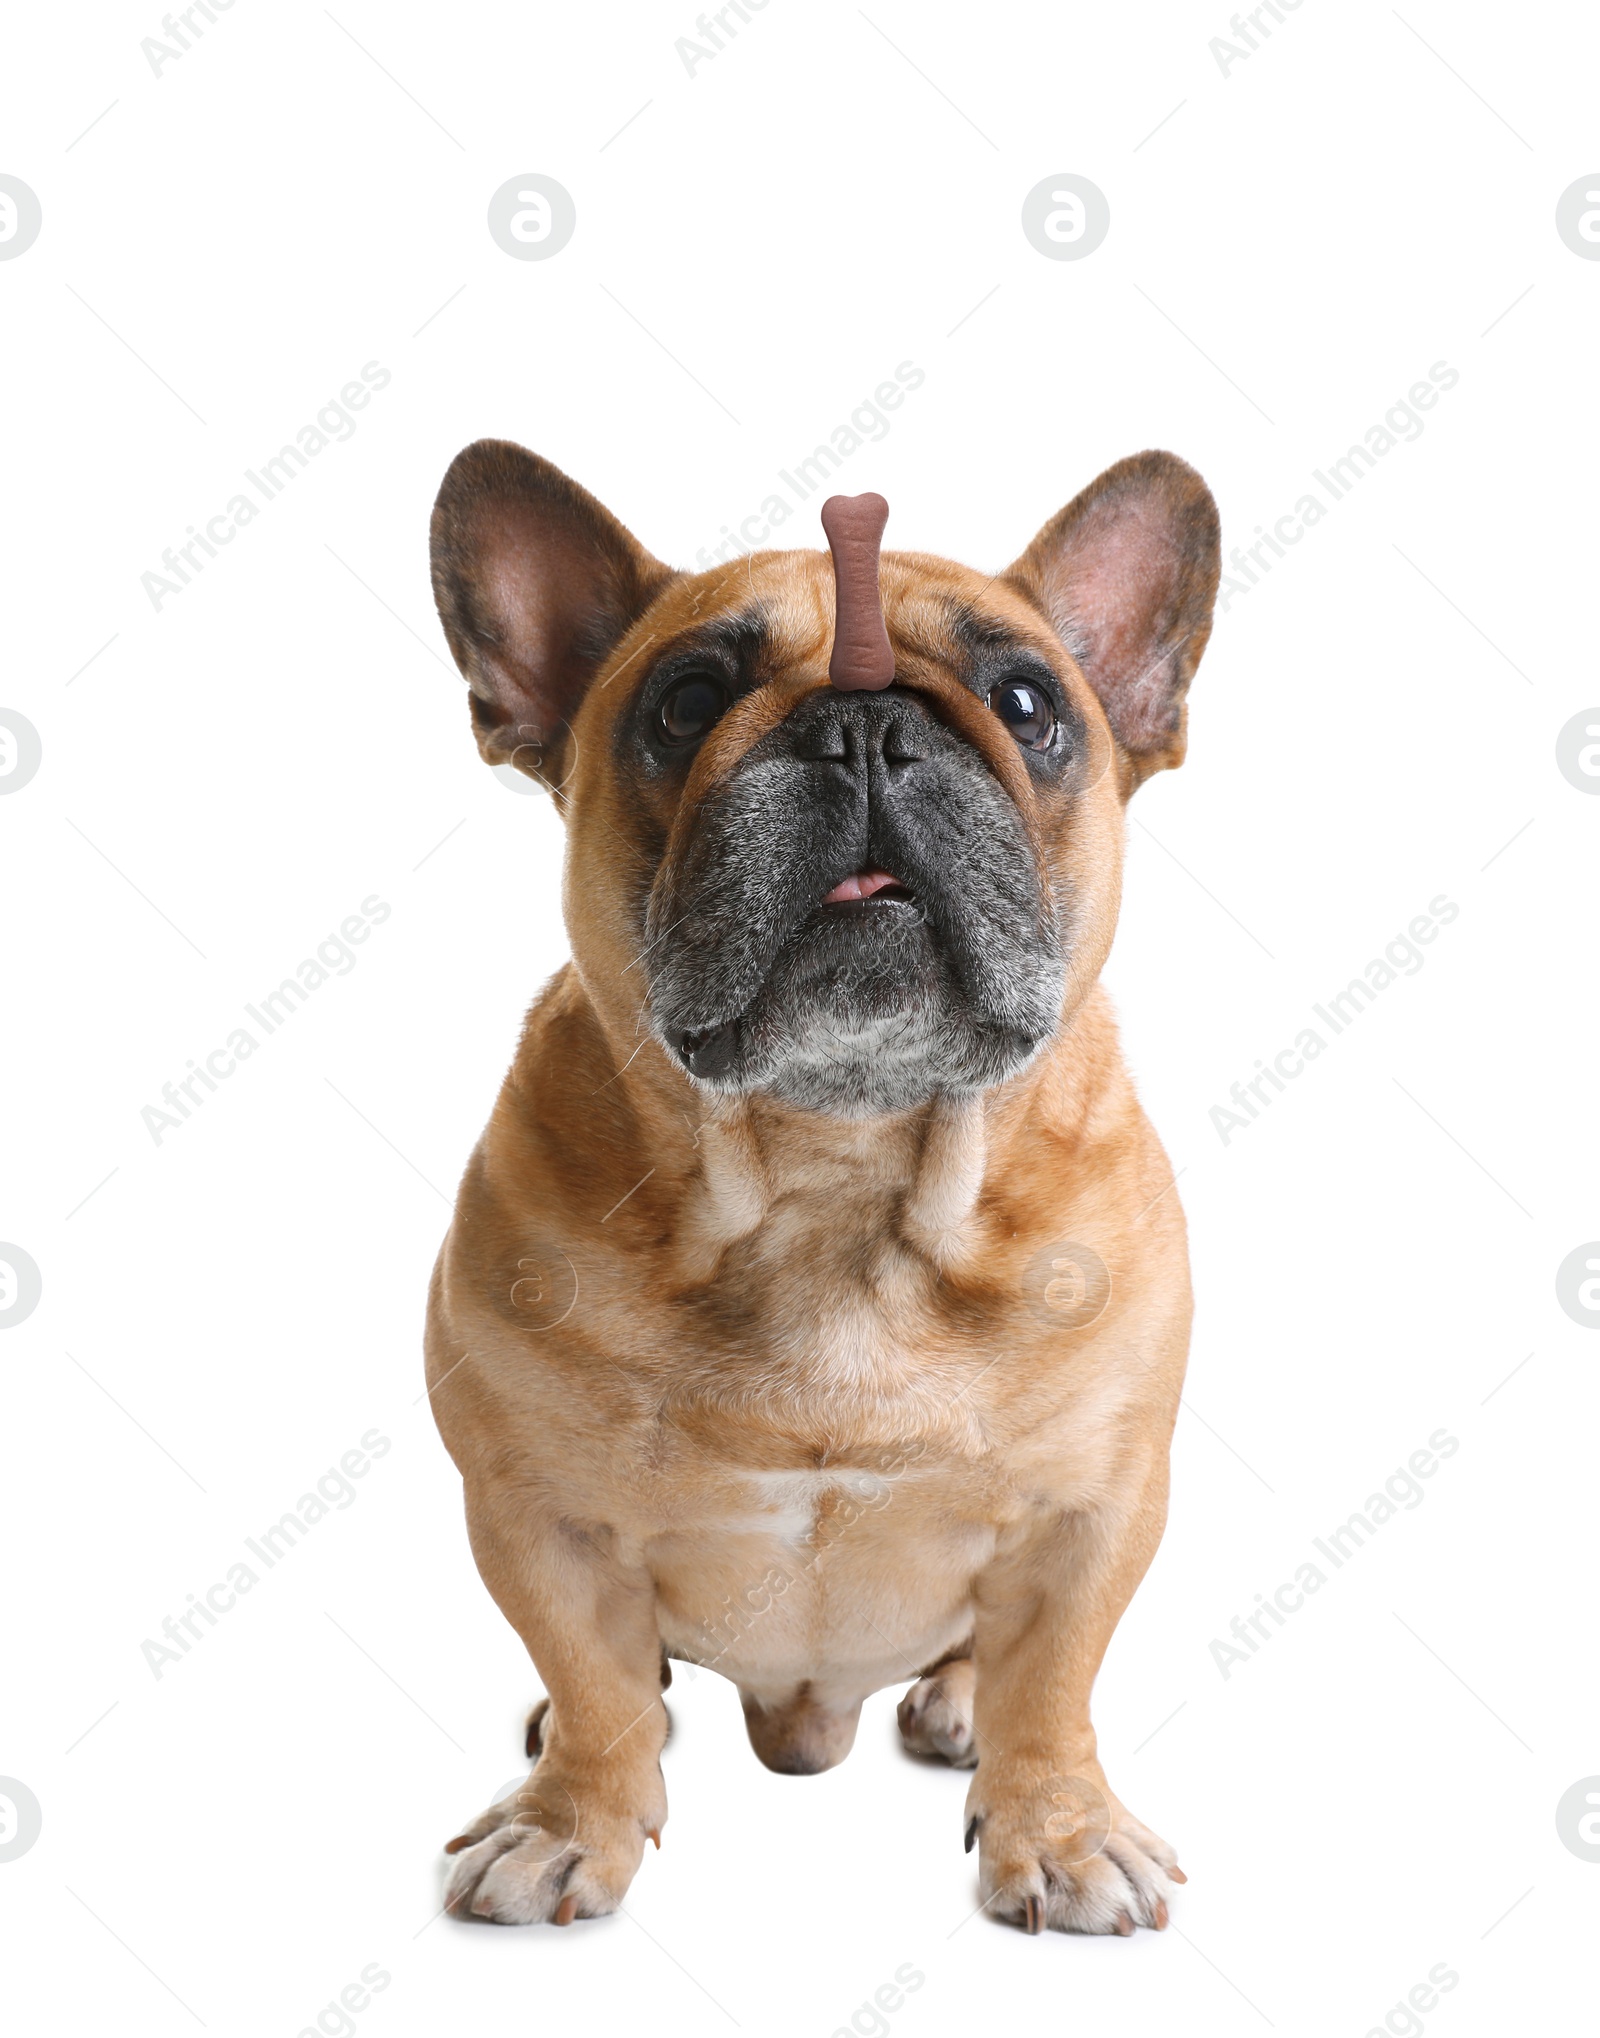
<point x="958" y="617"/>
<point x="784" y="602"/>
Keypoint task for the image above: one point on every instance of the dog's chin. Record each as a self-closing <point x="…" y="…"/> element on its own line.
<point x="861" y="1017"/>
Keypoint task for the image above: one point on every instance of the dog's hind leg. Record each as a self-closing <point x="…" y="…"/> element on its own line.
<point x="533" y="1740"/>
<point x="936" y="1713"/>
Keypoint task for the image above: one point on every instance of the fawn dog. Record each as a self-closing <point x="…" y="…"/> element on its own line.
<point x="817" y="1302"/>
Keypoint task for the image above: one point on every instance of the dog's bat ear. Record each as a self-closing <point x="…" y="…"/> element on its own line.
<point x="1127" y="574"/>
<point x="536" y="582"/>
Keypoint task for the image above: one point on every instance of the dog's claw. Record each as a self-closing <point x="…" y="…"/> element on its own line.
<point x="455" y="1846"/>
<point x="1032" y="1915"/>
<point x="1161" y="1915"/>
<point x="651" y="1833"/>
<point x="972" y="1832"/>
<point x="1124" y="1925"/>
<point x="1176" y="1874"/>
<point x="566" y="1910"/>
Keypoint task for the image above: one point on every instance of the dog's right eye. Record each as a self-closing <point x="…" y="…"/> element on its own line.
<point x="689" y="708"/>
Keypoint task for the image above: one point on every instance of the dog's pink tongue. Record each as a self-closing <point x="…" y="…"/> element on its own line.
<point x="861" y="886"/>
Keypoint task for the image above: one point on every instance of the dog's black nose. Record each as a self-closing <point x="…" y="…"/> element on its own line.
<point x="860" y="730"/>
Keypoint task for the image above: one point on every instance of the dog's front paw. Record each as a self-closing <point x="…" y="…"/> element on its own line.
<point x="546" y="1855"/>
<point x="1060" y="1853"/>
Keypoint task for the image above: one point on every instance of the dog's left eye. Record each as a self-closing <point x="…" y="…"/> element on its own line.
<point x="1026" y="711"/>
<point x="690" y="708"/>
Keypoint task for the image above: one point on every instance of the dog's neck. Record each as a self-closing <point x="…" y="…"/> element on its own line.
<point x="729" y="1165"/>
<point x="921" y="1169"/>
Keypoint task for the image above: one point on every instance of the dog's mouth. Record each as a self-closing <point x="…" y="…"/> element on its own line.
<point x="868" y="884"/>
<point x="856" y="933"/>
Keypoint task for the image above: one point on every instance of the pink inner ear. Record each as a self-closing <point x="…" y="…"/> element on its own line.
<point x="863" y="658"/>
<point x="1118" y="596"/>
<point x="522" y="583"/>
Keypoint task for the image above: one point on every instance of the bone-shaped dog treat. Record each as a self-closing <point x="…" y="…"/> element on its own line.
<point x="862" y="658"/>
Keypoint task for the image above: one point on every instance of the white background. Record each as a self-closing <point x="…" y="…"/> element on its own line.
<point x="1375" y="724"/>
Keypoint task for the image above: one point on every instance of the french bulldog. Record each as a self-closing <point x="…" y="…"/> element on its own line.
<point x="816" y="1303"/>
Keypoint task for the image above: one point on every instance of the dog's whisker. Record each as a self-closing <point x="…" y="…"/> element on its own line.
<point x="656" y="940"/>
<point x="637" y="652"/>
<point x="628" y="1064"/>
